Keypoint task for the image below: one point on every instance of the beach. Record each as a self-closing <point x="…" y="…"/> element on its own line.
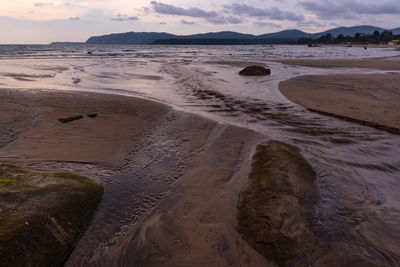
<point x="203" y="167"/>
<point x="194" y="223"/>
<point x="367" y="99"/>
<point x="392" y="63"/>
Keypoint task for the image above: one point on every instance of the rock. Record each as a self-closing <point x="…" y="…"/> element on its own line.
<point x="255" y="71"/>
<point x="92" y="115"/>
<point x="44" y="215"/>
<point x="69" y="119"/>
<point x="76" y="80"/>
<point x="276" y="207"/>
<point x="276" y="212"/>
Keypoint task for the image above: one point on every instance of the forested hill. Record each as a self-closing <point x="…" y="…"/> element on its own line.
<point x="228" y="37"/>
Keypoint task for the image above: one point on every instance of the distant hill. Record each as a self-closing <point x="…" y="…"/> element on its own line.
<point x="286" y="34"/>
<point x="349" y="31"/>
<point x="219" y="35"/>
<point x="396" y="31"/>
<point x="226" y="37"/>
<point x="224" y="41"/>
<point x="130" y="38"/>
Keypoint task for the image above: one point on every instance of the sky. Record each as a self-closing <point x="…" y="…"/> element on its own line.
<point x="45" y="21"/>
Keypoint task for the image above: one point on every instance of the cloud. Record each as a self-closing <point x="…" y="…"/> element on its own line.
<point x="349" y="9"/>
<point x="144" y="10"/>
<point x="122" y="17"/>
<point x="188" y="22"/>
<point x="262" y="24"/>
<point x="311" y="24"/>
<point x="74" y="18"/>
<point x="326" y="11"/>
<point x="174" y="10"/>
<point x="194" y="12"/>
<point x="41" y="4"/>
<point x="273" y="13"/>
<point x="221" y="20"/>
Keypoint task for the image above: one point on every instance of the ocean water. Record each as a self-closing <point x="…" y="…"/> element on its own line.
<point x="358" y="167"/>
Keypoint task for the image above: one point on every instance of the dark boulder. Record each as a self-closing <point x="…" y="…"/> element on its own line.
<point x="69" y="119"/>
<point x="255" y="71"/>
<point x="92" y="115"/>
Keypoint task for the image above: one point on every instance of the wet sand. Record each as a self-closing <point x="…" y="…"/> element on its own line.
<point x="392" y="63"/>
<point x="32" y="131"/>
<point x="233" y="63"/>
<point x="367" y="99"/>
<point x="171" y="179"/>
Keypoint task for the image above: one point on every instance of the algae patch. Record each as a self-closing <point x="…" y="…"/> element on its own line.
<point x="42" y="214"/>
<point x="5" y="181"/>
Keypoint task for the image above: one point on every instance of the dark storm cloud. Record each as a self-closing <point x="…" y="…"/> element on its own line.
<point x="349" y="9"/>
<point x="122" y="17"/>
<point x="273" y="13"/>
<point x="189" y="12"/>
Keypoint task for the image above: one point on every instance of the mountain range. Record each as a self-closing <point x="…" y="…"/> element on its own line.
<point x="226" y="37"/>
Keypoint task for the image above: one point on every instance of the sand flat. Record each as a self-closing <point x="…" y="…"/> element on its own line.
<point x="93" y="140"/>
<point x="381" y="64"/>
<point x="369" y="99"/>
<point x="175" y="177"/>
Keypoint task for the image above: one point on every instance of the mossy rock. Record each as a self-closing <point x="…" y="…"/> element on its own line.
<point x="43" y="214"/>
<point x="276" y="211"/>
<point x="255" y="71"/>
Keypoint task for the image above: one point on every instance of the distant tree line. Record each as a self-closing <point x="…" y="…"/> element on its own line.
<point x="224" y="41"/>
<point x="377" y="37"/>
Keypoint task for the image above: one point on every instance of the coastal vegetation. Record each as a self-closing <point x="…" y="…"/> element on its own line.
<point x="384" y="37"/>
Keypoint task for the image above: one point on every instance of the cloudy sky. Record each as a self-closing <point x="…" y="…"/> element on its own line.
<point x="43" y="21"/>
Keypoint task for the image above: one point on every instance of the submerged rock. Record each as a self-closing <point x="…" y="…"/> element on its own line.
<point x="255" y="71"/>
<point x="276" y="212"/>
